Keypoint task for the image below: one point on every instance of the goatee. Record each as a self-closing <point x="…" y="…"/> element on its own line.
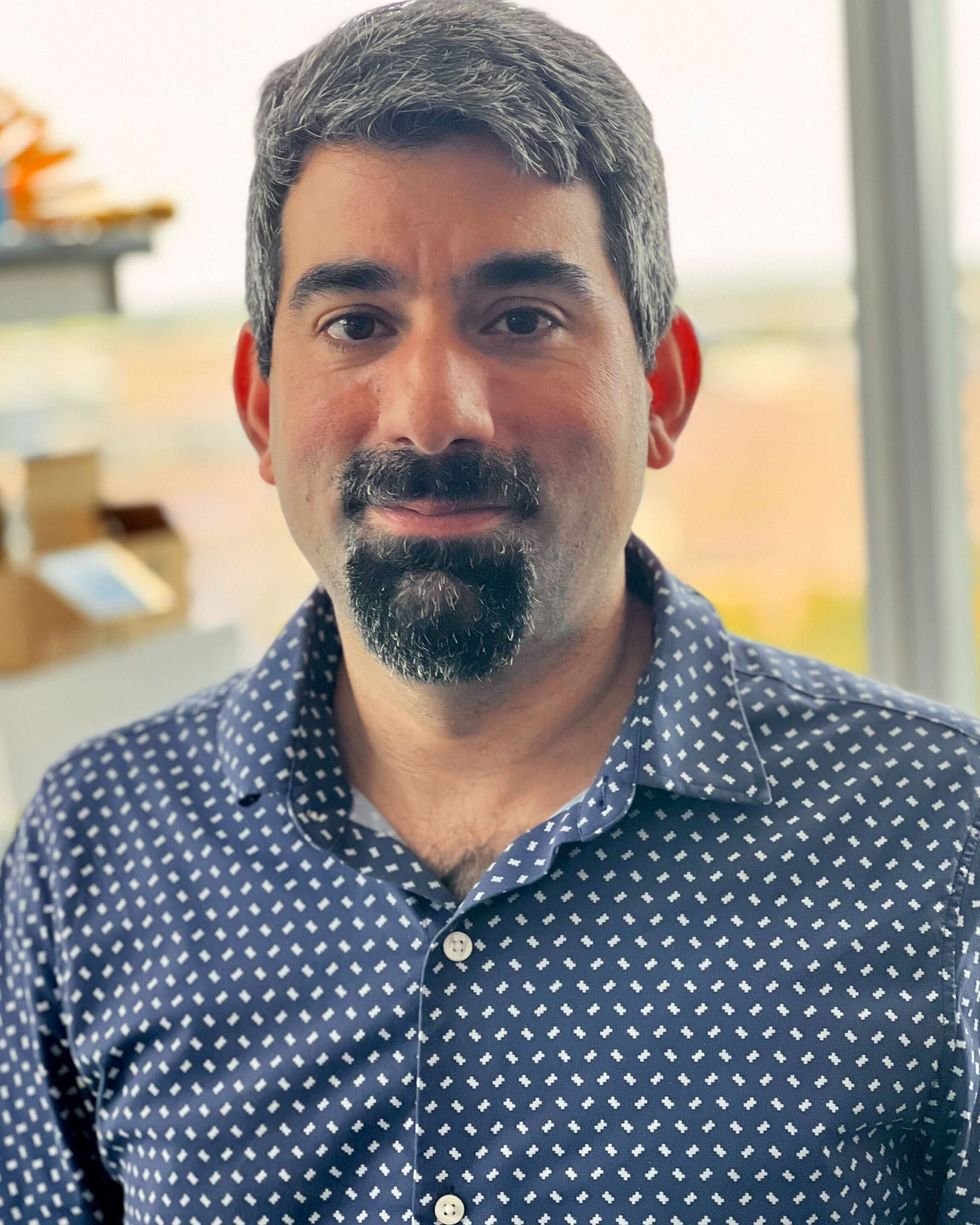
<point x="443" y="609"/>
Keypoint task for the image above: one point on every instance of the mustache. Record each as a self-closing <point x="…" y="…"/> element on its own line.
<point x="387" y="478"/>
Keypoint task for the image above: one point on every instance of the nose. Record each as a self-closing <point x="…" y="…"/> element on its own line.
<point x="435" y="393"/>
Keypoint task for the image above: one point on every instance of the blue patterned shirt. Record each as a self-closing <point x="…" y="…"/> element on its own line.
<point x="734" y="982"/>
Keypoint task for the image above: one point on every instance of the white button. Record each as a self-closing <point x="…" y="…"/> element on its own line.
<point x="457" y="946"/>
<point x="449" y="1209"/>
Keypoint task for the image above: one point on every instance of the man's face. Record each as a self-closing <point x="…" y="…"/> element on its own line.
<point x="448" y="329"/>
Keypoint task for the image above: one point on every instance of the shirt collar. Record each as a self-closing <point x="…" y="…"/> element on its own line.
<point x="686" y="732"/>
<point x="687" y="729"/>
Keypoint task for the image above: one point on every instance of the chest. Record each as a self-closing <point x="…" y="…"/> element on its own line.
<point x="463" y="833"/>
<point x="458" y="852"/>
<point x="458" y="843"/>
<point x="703" y="1028"/>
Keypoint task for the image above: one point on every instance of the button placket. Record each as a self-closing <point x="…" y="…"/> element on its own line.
<point x="450" y="1209"/>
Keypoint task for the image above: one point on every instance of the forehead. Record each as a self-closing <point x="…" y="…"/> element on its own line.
<point x="435" y="208"/>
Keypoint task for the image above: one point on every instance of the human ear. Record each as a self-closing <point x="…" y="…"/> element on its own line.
<point x="673" y="383"/>
<point x="252" y="399"/>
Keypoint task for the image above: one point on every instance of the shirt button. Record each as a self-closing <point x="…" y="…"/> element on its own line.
<point x="449" y="1209"/>
<point x="457" y="946"/>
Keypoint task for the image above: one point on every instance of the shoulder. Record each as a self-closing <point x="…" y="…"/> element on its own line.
<point x="113" y="790"/>
<point x="166" y="740"/>
<point x="806" y="687"/>
<point x="795" y="698"/>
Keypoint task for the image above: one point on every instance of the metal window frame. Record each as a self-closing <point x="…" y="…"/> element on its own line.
<point x="911" y="344"/>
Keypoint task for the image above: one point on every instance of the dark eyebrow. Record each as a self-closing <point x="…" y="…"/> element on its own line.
<point x="341" y="276"/>
<point x="527" y="268"/>
<point x="500" y="271"/>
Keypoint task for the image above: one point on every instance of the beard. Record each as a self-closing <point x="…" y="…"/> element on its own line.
<point x="443" y="609"/>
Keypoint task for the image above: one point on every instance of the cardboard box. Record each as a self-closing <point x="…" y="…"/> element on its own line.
<point x="101" y="594"/>
<point x="36" y="625"/>
<point x="96" y="576"/>
<point x="147" y="533"/>
<point x="61" y="499"/>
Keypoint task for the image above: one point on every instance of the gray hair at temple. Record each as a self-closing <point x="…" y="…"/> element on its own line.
<point x="421" y="71"/>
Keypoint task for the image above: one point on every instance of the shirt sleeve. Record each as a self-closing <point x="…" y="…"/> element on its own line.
<point x="959" y="1201"/>
<point x="50" y="1169"/>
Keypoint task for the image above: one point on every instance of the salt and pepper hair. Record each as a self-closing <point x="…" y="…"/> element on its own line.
<point x="421" y="71"/>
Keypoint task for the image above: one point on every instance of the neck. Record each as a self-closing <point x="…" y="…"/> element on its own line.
<point x="543" y="724"/>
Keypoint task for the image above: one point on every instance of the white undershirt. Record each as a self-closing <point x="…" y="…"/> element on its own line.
<point x="365" y="813"/>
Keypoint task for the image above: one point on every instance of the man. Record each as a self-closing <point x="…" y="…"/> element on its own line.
<point x="507" y="887"/>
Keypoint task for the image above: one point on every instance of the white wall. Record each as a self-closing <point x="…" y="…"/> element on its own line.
<point x="748" y="99"/>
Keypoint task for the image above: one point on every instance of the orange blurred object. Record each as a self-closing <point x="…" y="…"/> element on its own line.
<point x="26" y="156"/>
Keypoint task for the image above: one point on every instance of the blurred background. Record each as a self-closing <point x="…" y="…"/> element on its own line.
<point x="144" y="558"/>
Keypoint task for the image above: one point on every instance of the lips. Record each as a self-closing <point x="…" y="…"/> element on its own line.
<point x="429" y="506"/>
<point x="428" y="517"/>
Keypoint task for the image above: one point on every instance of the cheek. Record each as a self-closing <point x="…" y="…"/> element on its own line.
<point x="303" y="453"/>
<point x="604" y="438"/>
<point x="304" y="420"/>
<point x="608" y="410"/>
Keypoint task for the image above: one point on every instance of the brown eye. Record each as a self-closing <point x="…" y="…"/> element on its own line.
<point x="352" y="327"/>
<point x="524" y="321"/>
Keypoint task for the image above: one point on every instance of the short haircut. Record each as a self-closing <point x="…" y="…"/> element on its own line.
<point x="421" y="71"/>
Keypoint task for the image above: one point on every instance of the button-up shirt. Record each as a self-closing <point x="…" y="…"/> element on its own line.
<point x="734" y="982"/>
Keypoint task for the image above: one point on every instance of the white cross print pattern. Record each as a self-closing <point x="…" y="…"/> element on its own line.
<point x="734" y="982"/>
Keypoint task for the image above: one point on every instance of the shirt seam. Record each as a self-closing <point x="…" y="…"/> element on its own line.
<point x="47" y="829"/>
<point x="840" y="699"/>
<point x="948" y="953"/>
